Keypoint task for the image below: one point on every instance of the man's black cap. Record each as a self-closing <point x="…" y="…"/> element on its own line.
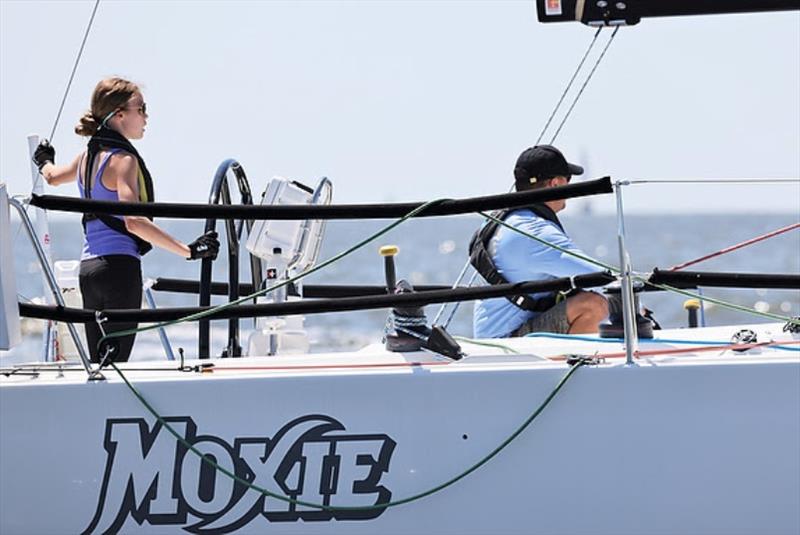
<point x="541" y="163"/>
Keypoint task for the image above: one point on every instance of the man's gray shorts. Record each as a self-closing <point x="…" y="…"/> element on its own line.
<point x="552" y="320"/>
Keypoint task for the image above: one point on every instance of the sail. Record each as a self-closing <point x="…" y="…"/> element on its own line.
<point x="629" y="12"/>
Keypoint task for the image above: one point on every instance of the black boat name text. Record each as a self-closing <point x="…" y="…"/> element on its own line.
<point x="152" y="477"/>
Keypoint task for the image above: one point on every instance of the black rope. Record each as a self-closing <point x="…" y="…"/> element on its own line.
<point x="333" y="211"/>
<point x="318" y="306"/>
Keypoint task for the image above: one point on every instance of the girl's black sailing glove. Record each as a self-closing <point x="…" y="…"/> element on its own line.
<point x="44" y="153"/>
<point x="206" y="246"/>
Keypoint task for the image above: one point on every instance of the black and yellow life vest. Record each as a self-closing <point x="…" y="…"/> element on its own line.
<point x="108" y="138"/>
<point x="482" y="261"/>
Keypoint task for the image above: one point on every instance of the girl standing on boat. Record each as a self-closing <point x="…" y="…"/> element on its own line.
<point x="111" y="169"/>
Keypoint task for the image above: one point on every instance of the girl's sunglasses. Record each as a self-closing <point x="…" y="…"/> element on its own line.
<point x="141" y="109"/>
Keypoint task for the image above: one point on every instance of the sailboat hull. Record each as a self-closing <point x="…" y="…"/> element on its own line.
<point x="688" y="444"/>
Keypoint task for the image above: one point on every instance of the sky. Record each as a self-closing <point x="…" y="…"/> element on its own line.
<point x="401" y="101"/>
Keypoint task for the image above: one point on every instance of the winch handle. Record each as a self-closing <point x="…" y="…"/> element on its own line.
<point x="388" y="253"/>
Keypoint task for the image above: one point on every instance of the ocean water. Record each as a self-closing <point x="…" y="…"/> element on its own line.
<point x="433" y="251"/>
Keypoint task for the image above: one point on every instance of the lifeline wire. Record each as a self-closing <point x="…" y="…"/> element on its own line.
<point x="715" y="181"/>
<point x="206" y="459"/>
<point x="580" y="92"/>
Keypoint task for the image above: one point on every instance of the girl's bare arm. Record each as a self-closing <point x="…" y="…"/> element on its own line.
<point x="55" y="175"/>
<point x="125" y="168"/>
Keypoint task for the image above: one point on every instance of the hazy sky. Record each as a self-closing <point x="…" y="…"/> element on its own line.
<point x="413" y="100"/>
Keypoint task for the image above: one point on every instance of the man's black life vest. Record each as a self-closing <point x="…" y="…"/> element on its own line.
<point x="106" y="137"/>
<point x="481" y="259"/>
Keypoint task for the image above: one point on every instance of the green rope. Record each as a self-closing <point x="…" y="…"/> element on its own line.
<point x="224" y="306"/>
<point x="720" y="302"/>
<point x="487" y="344"/>
<point x="395" y="503"/>
<point x="583" y="257"/>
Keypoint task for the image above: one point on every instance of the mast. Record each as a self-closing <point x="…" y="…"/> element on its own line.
<point x="630" y="12"/>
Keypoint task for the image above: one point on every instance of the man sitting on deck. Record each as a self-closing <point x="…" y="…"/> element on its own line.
<point x="502" y="255"/>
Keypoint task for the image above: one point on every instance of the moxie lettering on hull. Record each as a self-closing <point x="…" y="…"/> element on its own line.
<point x="152" y="477"/>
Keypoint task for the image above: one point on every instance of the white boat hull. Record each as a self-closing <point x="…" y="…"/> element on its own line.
<point x="689" y="444"/>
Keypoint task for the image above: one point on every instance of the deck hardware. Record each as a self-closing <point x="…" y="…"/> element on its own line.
<point x="583" y="360"/>
<point x="792" y="326"/>
<point x="744" y="336"/>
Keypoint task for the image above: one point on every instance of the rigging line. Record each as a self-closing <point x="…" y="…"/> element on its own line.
<point x="569" y="85"/>
<point x="74" y="69"/>
<point x="585" y="83"/>
<point x="64" y="98"/>
<point x="737" y="246"/>
<point x="716" y="181"/>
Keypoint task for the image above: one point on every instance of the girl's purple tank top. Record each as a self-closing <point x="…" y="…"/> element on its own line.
<point x="101" y="240"/>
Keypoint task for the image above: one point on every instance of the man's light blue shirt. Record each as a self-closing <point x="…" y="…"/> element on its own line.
<point x="518" y="259"/>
